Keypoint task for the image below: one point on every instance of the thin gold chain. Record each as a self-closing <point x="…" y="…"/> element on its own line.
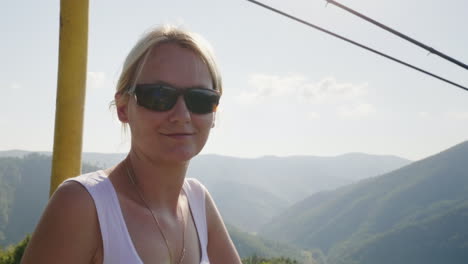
<point x="182" y="254"/>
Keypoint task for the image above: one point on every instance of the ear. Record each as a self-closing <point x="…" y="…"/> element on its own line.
<point x="121" y="104"/>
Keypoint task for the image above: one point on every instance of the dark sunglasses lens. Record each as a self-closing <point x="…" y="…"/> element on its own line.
<point x="156" y="98"/>
<point x="201" y="101"/>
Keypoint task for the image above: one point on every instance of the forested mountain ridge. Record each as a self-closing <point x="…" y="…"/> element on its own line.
<point x="268" y="184"/>
<point x="360" y="223"/>
<point x="24" y="191"/>
<point x="295" y="177"/>
<point x="252" y="245"/>
<point x="303" y="175"/>
<point x="349" y="223"/>
<point x="240" y="203"/>
<point x="440" y="238"/>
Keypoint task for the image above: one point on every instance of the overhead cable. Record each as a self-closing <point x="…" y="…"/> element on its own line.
<point x="356" y="44"/>
<point x="401" y="35"/>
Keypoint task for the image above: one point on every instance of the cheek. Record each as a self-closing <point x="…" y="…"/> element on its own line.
<point x="203" y="122"/>
<point x="142" y="121"/>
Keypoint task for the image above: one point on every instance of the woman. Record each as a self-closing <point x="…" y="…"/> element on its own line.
<point x="144" y="210"/>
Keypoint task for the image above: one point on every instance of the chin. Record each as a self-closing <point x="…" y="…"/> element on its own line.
<point x="180" y="156"/>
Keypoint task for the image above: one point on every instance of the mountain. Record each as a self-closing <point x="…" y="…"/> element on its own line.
<point x="101" y="160"/>
<point x="380" y="219"/>
<point x="252" y="245"/>
<point x="240" y="203"/>
<point x="293" y="178"/>
<point x="415" y="214"/>
<point x="24" y="191"/>
<point x="261" y="188"/>
<point x="15" y="153"/>
<point x="441" y="238"/>
<point x="289" y="178"/>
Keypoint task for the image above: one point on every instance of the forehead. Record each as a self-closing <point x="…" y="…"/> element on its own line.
<point x="175" y="65"/>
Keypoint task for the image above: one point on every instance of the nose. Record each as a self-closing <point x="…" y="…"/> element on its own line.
<point x="180" y="112"/>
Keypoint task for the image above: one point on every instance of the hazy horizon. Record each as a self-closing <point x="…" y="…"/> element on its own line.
<point x="248" y="157"/>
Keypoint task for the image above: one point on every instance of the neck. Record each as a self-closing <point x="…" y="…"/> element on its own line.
<point x="159" y="182"/>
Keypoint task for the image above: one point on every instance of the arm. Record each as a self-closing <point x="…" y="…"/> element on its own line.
<point x="220" y="246"/>
<point x="68" y="231"/>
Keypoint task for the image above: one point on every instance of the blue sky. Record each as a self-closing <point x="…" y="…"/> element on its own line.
<point x="289" y="90"/>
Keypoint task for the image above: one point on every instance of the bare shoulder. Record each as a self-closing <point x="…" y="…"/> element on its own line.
<point x="68" y="231"/>
<point x="220" y="246"/>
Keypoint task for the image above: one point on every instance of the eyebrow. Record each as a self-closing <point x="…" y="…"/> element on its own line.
<point x="177" y="87"/>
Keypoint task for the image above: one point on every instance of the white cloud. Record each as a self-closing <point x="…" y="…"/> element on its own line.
<point x="458" y="115"/>
<point x="313" y="115"/>
<point x="423" y="114"/>
<point x="15" y="86"/>
<point x="328" y="89"/>
<point x="12" y="90"/>
<point x="298" y="87"/>
<point x="96" y="80"/>
<point x="356" y="111"/>
<point x="264" y="85"/>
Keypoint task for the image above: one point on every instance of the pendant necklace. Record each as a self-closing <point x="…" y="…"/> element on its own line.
<point x="182" y="254"/>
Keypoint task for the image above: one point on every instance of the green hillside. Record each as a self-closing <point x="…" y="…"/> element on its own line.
<point x="261" y="188"/>
<point x="14" y="253"/>
<point x="24" y="191"/>
<point x="252" y="245"/>
<point x="252" y="249"/>
<point x="240" y="203"/>
<point x="296" y="177"/>
<point x="355" y="222"/>
<point x="440" y="238"/>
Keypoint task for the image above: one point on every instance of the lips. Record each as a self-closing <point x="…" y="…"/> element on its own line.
<point x="178" y="135"/>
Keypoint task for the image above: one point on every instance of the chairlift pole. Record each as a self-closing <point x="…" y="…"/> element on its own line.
<point x="71" y="87"/>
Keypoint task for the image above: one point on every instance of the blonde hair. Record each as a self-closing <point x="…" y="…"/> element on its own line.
<point x="137" y="57"/>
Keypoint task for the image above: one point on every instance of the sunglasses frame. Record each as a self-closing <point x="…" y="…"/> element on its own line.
<point x="185" y="92"/>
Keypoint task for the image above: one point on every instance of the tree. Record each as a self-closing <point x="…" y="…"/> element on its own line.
<point x="13" y="254"/>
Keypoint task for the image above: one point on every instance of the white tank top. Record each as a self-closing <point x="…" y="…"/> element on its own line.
<point x="117" y="244"/>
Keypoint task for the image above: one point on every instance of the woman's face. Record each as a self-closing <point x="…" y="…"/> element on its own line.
<point x="175" y="135"/>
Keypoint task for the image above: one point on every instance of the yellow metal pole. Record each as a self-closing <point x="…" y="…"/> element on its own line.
<point x="71" y="85"/>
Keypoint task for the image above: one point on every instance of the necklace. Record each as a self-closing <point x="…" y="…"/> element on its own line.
<point x="182" y="254"/>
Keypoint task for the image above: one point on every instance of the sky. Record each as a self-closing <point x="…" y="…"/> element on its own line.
<point x="288" y="89"/>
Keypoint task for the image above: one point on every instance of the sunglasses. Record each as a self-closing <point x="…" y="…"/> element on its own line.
<point x="161" y="97"/>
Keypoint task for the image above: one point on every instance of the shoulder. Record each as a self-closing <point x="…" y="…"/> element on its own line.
<point x="195" y="189"/>
<point x="69" y="219"/>
<point x="72" y="197"/>
<point x="194" y="183"/>
<point x="88" y="180"/>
